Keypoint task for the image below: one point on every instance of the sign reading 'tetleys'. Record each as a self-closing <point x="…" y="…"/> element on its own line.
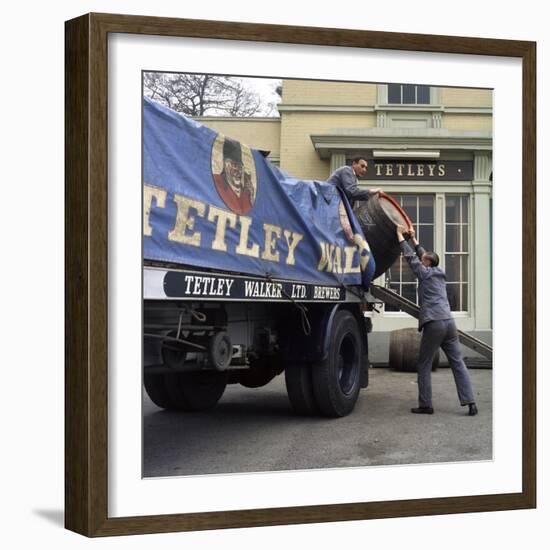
<point x="441" y="170"/>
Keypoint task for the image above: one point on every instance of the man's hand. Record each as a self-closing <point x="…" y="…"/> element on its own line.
<point x="412" y="234"/>
<point x="399" y="230"/>
<point x="375" y="191"/>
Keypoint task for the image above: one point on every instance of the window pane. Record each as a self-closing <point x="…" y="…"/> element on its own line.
<point x="426" y="209"/>
<point x="465" y="203"/>
<point x="407" y="273"/>
<point x="409" y="292"/>
<point x="452" y="238"/>
<point x="456" y="240"/>
<point x="400" y="277"/>
<point x="394" y="271"/>
<point x="452" y="209"/>
<point x="409" y="205"/>
<point x="409" y="93"/>
<point x="395" y="287"/>
<point x="452" y="267"/>
<point x="453" y="293"/>
<point x="464" y="297"/>
<point x="464" y="238"/>
<point x="464" y="269"/>
<point x="394" y="93"/>
<point x="423" y="94"/>
<point x="425" y="236"/>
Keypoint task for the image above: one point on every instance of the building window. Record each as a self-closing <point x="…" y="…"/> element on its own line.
<point x="420" y="209"/>
<point x="457" y="234"/>
<point x="408" y="94"/>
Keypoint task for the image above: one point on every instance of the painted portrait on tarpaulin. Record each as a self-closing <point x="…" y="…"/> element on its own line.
<point x="234" y="174"/>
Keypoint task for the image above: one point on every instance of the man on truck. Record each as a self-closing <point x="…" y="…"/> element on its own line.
<point x="346" y="178"/>
<point x="436" y="324"/>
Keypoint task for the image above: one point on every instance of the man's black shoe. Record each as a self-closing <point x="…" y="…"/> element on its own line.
<point x="422" y="410"/>
<point x="472" y="409"/>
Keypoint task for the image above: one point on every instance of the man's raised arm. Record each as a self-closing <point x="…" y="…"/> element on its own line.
<point x="413" y="259"/>
<point x="417" y="246"/>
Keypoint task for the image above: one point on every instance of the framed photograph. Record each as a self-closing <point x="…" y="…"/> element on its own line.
<point x="241" y="327"/>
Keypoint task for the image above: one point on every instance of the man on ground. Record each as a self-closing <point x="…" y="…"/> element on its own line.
<point x="437" y="325"/>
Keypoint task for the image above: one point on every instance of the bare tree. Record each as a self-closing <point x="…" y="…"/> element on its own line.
<point x="203" y="94"/>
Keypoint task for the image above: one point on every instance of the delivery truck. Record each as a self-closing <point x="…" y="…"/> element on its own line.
<point x="248" y="274"/>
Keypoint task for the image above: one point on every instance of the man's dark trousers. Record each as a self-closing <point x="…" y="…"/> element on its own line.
<point x="436" y="334"/>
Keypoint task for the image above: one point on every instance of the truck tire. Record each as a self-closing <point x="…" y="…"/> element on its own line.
<point x="195" y="391"/>
<point x="157" y="392"/>
<point x="188" y="391"/>
<point x="299" y="387"/>
<point x="378" y="218"/>
<point x="337" y="379"/>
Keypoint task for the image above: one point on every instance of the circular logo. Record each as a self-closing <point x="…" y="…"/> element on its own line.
<point x="234" y="174"/>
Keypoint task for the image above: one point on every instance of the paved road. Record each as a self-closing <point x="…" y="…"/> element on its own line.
<point x="253" y="430"/>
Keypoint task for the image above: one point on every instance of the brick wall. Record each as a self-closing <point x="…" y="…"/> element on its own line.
<point x="459" y="97"/>
<point x="258" y="134"/>
<point x="467" y="122"/>
<point x="298" y="156"/>
<point x="314" y="92"/>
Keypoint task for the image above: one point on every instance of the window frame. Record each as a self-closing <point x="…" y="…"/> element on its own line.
<point x="468" y="253"/>
<point x="399" y="197"/>
<point x="402" y="90"/>
<point x="440" y="238"/>
<point x="382" y="100"/>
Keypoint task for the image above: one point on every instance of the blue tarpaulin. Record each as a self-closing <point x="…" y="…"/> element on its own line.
<point x="213" y="202"/>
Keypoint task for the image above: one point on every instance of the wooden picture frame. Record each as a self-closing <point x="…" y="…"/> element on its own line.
<point x="86" y="316"/>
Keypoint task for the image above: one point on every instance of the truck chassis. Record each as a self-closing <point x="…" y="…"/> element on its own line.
<point x="205" y="330"/>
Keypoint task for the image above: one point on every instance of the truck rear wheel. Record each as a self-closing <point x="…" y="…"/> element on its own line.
<point x="156" y="390"/>
<point x="337" y="379"/>
<point x="195" y="391"/>
<point x="187" y="391"/>
<point x="299" y="387"/>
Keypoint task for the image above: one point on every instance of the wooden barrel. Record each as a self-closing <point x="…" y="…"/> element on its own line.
<point x="404" y="349"/>
<point x="378" y="218"/>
